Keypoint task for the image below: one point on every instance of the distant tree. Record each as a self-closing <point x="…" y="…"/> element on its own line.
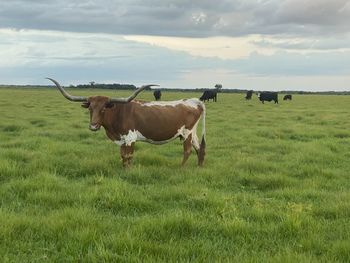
<point x="92" y="83"/>
<point x="218" y="86"/>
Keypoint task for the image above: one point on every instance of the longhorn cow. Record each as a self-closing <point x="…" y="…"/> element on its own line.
<point x="126" y="121"/>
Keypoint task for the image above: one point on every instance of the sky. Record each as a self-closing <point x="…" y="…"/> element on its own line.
<point x="244" y="44"/>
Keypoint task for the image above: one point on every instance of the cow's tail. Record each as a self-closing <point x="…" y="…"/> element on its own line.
<point x="201" y="152"/>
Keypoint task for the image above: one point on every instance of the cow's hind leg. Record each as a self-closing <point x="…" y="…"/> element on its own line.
<point x="195" y="144"/>
<point x="126" y="153"/>
<point x="187" y="148"/>
<point x="200" y="149"/>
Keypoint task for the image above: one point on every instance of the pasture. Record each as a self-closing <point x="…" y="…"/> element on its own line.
<point x="275" y="186"/>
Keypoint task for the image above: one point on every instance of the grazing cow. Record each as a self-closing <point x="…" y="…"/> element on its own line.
<point x="126" y="121"/>
<point x="157" y="94"/>
<point x="287" y="97"/>
<point x="249" y="94"/>
<point x="268" y="96"/>
<point x="209" y="94"/>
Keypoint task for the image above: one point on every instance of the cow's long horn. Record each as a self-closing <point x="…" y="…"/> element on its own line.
<point x="67" y="95"/>
<point x="132" y="96"/>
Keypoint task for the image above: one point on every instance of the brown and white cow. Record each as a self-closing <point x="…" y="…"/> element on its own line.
<point x="126" y="121"/>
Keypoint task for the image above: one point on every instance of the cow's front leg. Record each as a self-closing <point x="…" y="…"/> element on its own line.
<point x="126" y="152"/>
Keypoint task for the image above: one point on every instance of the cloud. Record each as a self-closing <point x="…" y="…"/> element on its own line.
<point x="306" y="44"/>
<point x="296" y="64"/>
<point x="320" y="12"/>
<point x="175" y="42"/>
<point x="29" y="56"/>
<point x="196" y="18"/>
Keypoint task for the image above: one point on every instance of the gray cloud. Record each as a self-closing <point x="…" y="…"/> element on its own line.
<point x="320" y="12"/>
<point x="196" y="18"/>
<point x="292" y="27"/>
<point x="77" y="58"/>
<point x="142" y="63"/>
<point x="294" y="64"/>
<point x="304" y="44"/>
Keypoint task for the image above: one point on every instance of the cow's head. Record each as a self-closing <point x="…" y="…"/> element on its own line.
<point x="98" y="105"/>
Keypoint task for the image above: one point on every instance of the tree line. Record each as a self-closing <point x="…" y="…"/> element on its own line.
<point x="116" y="86"/>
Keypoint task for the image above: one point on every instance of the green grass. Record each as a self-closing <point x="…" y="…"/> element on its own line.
<point x="274" y="187"/>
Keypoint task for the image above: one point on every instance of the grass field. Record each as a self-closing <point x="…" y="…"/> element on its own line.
<point x="274" y="186"/>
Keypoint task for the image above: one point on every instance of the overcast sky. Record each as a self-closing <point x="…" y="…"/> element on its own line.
<point x="246" y="44"/>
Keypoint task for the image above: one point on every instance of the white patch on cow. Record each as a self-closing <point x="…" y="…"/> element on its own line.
<point x="129" y="138"/>
<point x="133" y="136"/>
<point x="184" y="132"/>
<point x="193" y="103"/>
<point x="194" y="140"/>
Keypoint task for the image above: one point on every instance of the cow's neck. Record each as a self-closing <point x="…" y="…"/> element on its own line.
<point x="114" y="119"/>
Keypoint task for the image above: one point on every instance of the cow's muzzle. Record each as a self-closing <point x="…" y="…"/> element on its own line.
<point x="94" y="127"/>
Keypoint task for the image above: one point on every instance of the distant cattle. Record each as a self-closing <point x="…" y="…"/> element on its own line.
<point x="157" y="94"/>
<point x="287" y="97"/>
<point x="209" y="94"/>
<point x="249" y="94"/>
<point x="268" y="96"/>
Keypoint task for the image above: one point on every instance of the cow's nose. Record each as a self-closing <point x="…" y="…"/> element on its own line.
<point x="94" y="127"/>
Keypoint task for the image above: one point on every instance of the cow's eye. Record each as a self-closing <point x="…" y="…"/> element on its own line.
<point x="85" y="105"/>
<point x="109" y="105"/>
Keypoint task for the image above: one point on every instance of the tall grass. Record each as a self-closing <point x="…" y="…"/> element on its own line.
<point x="274" y="186"/>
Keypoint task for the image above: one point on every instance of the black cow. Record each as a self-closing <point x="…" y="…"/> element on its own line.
<point x="268" y="96"/>
<point x="249" y="94"/>
<point x="157" y="94"/>
<point x="209" y="94"/>
<point x="287" y="97"/>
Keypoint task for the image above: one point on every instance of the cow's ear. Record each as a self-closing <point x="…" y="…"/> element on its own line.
<point x="109" y="104"/>
<point x="85" y="105"/>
